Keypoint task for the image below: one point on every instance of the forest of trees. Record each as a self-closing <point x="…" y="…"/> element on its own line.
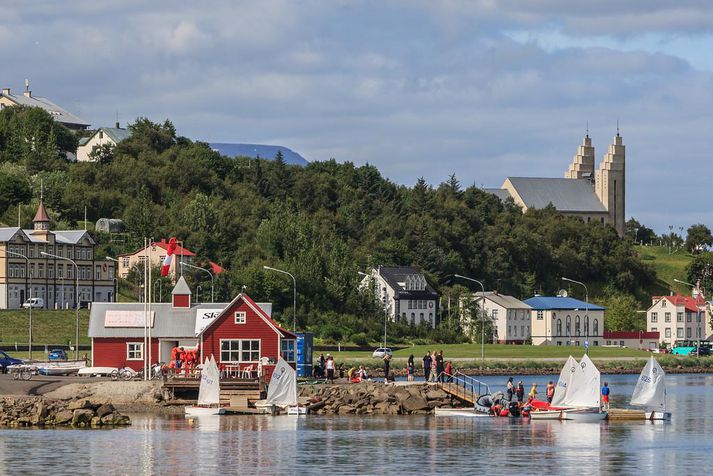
<point x="323" y="223"/>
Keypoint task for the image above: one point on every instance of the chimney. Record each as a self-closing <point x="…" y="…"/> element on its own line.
<point x="6" y="91"/>
<point x="118" y="126"/>
<point x="27" y="94"/>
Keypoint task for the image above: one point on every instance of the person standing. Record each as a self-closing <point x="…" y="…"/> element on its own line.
<point x="434" y="373"/>
<point x="410" y="368"/>
<point x="449" y="372"/>
<point x="330" y="368"/>
<point x="533" y="393"/>
<point x="440" y="368"/>
<point x="605" y="396"/>
<point x="387" y="365"/>
<point x="550" y="391"/>
<point x="520" y="391"/>
<point x="427" y="366"/>
<point x="510" y="389"/>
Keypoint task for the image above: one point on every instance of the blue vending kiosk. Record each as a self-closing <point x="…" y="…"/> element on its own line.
<point x="304" y="354"/>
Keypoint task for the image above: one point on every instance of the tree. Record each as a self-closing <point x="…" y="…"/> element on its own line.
<point x="638" y="233"/>
<point x="14" y="189"/>
<point x="622" y="315"/>
<point x="698" y="238"/>
<point x="701" y="268"/>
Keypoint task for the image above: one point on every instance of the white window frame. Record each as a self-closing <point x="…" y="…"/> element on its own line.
<point x="286" y="351"/>
<point x="540" y="315"/>
<point x="239" y="351"/>
<point x="138" y="349"/>
<point x="240" y="317"/>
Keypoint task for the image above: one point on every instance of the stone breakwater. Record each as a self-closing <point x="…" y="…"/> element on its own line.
<point x="41" y="411"/>
<point x="371" y="398"/>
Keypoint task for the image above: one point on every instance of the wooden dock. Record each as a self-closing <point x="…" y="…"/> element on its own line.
<point x="235" y="393"/>
<point x="457" y="391"/>
<point x="626" y="414"/>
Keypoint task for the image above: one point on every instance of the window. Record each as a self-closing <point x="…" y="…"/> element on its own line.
<point x="654" y="329"/>
<point x="568" y="326"/>
<point x="698" y="317"/>
<point x="134" y="351"/>
<point x="621" y="343"/>
<point x="688" y="317"/>
<point x="577" y="327"/>
<point x="413" y="318"/>
<point x="667" y="317"/>
<point x="559" y="327"/>
<point x="522" y="331"/>
<point x="494" y="314"/>
<point x="654" y="317"/>
<point x="663" y="303"/>
<point x="124" y="262"/>
<point x="679" y="317"/>
<point x="60" y="271"/>
<point x="421" y="317"/>
<point x="667" y="333"/>
<point x="586" y="325"/>
<point x="698" y="332"/>
<point x="608" y="342"/>
<point x="41" y="270"/>
<point x="596" y="327"/>
<point x="60" y="250"/>
<point x="50" y="272"/>
<point x="288" y="350"/>
<point x="540" y="315"/>
<point x="596" y="343"/>
<point x="509" y="330"/>
<point x="98" y="272"/>
<point x="688" y="332"/>
<point x="236" y="350"/>
<point x="679" y="332"/>
<point x="240" y="317"/>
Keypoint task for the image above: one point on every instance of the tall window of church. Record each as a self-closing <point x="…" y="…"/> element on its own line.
<point x="596" y="327"/>
<point x="577" y="326"/>
<point x="586" y="325"/>
<point x="559" y="327"/>
<point x="568" y="326"/>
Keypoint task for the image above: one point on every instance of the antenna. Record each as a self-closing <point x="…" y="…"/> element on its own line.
<point x="42" y="189"/>
<point x="617" y="127"/>
<point x="587" y="128"/>
<point x="19" y="223"/>
<point x="27" y="84"/>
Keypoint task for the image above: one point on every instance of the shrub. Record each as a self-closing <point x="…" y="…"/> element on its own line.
<point x="360" y="338"/>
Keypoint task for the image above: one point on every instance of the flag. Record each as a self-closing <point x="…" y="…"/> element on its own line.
<point x="166" y="265"/>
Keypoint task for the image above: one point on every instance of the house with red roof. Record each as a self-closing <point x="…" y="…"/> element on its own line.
<point x="155" y="253"/>
<point x="678" y="317"/>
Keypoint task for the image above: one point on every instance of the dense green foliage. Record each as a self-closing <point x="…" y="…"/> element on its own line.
<point x="323" y="223"/>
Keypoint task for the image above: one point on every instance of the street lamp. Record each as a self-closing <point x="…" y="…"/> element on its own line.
<point x="29" y="274"/>
<point x="482" y="322"/>
<point x="586" y="311"/>
<point x="212" y="298"/>
<point x="76" y="299"/>
<point x="294" y="295"/>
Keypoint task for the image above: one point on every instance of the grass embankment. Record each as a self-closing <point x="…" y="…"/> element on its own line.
<point x="48" y="327"/>
<point x="668" y="266"/>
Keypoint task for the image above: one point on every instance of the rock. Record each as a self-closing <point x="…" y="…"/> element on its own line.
<point x="414" y="403"/>
<point x="79" y="404"/>
<point x="105" y="410"/>
<point x="96" y="421"/>
<point x="62" y="417"/>
<point x="346" y="409"/>
<point x="436" y="394"/>
<point x="82" y="417"/>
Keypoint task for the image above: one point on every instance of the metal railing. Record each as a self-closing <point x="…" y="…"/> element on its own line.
<point x="466" y="382"/>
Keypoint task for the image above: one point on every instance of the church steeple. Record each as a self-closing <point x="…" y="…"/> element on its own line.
<point x="610" y="182"/>
<point x="42" y="220"/>
<point x="582" y="166"/>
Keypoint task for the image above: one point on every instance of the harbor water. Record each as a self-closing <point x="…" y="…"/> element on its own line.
<point x="384" y="445"/>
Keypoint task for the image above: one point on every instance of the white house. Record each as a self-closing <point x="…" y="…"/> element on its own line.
<point x="678" y="318"/>
<point x="404" y="293"/>
<point x="103" y="135"/>
<point x="510" y="316"/>
<point x="565" y="321"/>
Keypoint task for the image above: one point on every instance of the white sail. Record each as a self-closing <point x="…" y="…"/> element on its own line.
<point x="564" y="382"/>
<point x="584" y="389"/>
<point x="283" y="385"/>
<point x="650" y="390"/>
<point x="209" y="391"/>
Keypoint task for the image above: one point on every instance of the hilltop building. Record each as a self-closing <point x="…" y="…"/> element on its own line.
<point x="404" y="294"/>
<point x="54" y="280"/>
<point x="586" y="193"/>
<point x="102" y="136"/>
<point x="61" y="115"/>
<point x="156" y="252"/>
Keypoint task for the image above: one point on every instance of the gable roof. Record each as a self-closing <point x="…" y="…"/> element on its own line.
<point x="58" y="114"/>
<point x="163" y="244"/>
<point x="72" y="237"/>
<point x="688" y="302"/>
<point x="393" y="275"/>
<point x="258" y="310"/>
<point x="116" y="134"/>
<point x="546" y="303"/>
<point x="8" y="233"/>
<point x="508" y="302"/>
<point x="567" y="195"/>
<point x="181" y="288"/>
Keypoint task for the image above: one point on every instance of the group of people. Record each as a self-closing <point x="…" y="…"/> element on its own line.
<point x="328" y="369"/>
<point x="184" y="359"/>
<point x="435" y="368"/>
<point x="519" y="391"/>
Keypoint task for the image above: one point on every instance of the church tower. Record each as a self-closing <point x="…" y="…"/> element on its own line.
<point x="582" y="166"/>
<point x="609" y="183"/>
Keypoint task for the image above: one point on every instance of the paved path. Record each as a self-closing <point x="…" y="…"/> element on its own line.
<point x="39" y="384"/>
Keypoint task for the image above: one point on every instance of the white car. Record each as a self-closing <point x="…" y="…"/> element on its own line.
<point x="36" y="303"/>
<point x="381" y="352"/>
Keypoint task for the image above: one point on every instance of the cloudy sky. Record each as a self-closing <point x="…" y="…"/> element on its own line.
<point x="483" y="89"/>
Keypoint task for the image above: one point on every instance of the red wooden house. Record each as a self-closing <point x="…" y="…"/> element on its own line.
<point x="243" y="335"/>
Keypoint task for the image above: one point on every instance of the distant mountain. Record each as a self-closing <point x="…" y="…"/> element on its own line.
<point x="258" y="150"/>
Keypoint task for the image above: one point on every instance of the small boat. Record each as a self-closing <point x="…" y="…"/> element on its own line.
<point x="96" y="371"/>
<point x="460" y="412"/>
<point x="650" y="391"/>
<point x="282" y="391"/>
<point x="68" y="367"/>
<point x="208" y="392"/>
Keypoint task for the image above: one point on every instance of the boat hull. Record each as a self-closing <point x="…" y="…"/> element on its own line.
<point x="192" y="410"/>
<point x="666" y="416"/>
<point x="296" y="411"/>
<point x="546" y="415"/>
<point x="460" y="412"/>
<point x="583" y="415"/>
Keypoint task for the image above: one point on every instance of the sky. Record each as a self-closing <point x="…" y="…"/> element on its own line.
<point x="483" y="89"/>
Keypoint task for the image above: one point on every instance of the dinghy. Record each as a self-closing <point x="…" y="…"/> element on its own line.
<point x="583" y="394"/>
<point x="208" y="393"/>
<point x="282" y="391"/>
<point x="650" y="391"/>
<point x="553" y="411"/>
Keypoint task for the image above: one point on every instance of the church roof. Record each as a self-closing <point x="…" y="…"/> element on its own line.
<point x="501" y="193"/>
<point x="41" y="214"/>
<point x="567" y="195"/>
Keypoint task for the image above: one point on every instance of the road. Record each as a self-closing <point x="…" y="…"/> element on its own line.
<point x="39" y="384"/>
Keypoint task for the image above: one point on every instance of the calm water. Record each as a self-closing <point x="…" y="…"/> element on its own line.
<point x="383" y="445"/>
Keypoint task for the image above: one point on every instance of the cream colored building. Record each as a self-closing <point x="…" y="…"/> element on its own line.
<point x="678" y="318"/>
<point x="69" y="120"/>
<point x="53" y="280"/>
<point x="102" y="136"/>
<point x="510" y="316"/>
<point x="155" y="253"/>
<point x="583" y="192"/>
<point x="565" y="321"/>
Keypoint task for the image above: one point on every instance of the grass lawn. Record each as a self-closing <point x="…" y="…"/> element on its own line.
<point x="668" y="266"/>
<point x="48" y="327"/>
<point x="498" y="351"/>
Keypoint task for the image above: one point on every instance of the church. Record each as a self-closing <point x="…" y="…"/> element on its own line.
<point x="586" y="193"/>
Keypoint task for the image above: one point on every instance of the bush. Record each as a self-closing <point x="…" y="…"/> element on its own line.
<point x="360" y="339"/>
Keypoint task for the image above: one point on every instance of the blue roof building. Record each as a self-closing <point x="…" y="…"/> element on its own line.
<point x="566" y="321"/>
<point x="560" y="303"/>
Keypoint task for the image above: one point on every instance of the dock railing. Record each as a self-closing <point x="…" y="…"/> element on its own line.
<point x="462" y="386"/>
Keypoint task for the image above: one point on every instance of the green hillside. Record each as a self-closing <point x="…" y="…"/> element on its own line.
<point x="668" y="266"/>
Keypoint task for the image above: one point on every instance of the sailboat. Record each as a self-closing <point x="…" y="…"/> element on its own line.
<point x="650" y="391"/>
<point x="553" y="411"/>
<point x="208" y="393"/>
<point x="583" y="394"/>
<point x="282" y="391"/>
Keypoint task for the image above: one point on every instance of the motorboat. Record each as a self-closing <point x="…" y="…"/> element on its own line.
<point x="68" y="367"/>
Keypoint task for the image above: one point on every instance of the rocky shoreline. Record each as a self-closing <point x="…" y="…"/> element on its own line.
<point x="372" y="398"/>
<point x="41" y="411"/>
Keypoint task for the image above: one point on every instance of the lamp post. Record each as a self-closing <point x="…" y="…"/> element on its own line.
<point x="116" y="273"/>
<point x="29" y="274"/>
<point x="586" y="310"/>
<point x="482" y="322"/>
<point x="76" y="298"/>
<point x="160" y="289"/>
<point x="294" y="295"/>
<point x="212" y="297"/>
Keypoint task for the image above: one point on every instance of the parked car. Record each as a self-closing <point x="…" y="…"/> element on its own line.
<point x="381" y="352"/>
<point x="57" y="354"/>
<point x="34" y="303"/>
<point x="6" y="361"/>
